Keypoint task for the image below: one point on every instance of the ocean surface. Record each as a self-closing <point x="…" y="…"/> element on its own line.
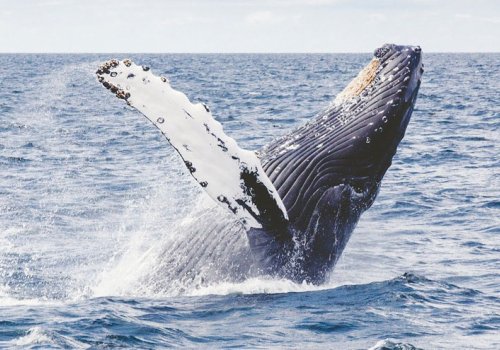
<point x="91" y="195"/>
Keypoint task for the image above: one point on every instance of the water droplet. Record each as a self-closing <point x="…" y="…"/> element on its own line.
<point x="114" y="74"/>
<point x="160" y="120"/>
<point x="384" y="119"/>
<point x="368" y="140"/>
<point x="204" y="184"/>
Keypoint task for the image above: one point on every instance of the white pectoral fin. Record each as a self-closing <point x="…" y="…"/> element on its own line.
<point x="232" y="176"/>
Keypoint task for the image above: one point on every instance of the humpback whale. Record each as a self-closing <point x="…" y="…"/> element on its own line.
<point x="300" y="197"/>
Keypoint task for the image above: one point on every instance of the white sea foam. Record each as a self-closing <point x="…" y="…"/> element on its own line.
<point x="256" y="285"/>
<point x="35" y="335"/>
<point x="7" y="301"/>
<point x="388" y="345"/>
<point x="135" y="269"/>
<point x="38" y="337"/>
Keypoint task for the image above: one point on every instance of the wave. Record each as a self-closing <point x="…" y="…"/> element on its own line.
<point x="37" y="337"/>
<point x="391" y="345"/>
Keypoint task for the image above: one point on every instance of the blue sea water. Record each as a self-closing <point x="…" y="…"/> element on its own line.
<point x="90" y="192"/>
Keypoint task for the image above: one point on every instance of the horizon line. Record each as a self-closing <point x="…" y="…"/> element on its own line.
<point x="220" y="53"/>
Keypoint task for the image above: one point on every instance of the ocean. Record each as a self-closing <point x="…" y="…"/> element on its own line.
<point x="93" y="199"/>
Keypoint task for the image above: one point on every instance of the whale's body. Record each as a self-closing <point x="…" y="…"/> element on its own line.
<point x="300" y="200"/>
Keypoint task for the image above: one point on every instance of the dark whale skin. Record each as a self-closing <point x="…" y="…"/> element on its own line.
<point x="329" y="171"/>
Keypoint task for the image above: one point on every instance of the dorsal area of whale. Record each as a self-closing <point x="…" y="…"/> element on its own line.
<point x="302" y="197"/>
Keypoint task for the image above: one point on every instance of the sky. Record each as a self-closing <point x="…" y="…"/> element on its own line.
<point x="223" y="26"/>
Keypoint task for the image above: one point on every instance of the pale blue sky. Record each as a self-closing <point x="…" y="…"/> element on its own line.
<point x="247" y="26"/>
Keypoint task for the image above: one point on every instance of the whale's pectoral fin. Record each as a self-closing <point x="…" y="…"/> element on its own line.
<point x="232" y="176"/>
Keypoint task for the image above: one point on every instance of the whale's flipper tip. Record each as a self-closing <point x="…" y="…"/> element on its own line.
<point x="232" y="176"/>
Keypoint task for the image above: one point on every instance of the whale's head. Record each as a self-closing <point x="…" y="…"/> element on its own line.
<point x="382" y="94"/>
<point x="398" y="82"/>
<point x="377" y="105"/>
<point x="353" y="141"/>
